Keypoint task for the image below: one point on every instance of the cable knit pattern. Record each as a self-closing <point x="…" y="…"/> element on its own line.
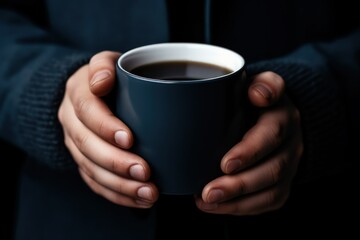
<point x="39" y="126"/>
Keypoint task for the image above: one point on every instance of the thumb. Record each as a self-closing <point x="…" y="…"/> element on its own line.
<point x="102" y="72"/>
<point x="266" y="89"/>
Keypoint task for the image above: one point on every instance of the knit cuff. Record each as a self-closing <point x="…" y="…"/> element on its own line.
<point x="39" y="126"/>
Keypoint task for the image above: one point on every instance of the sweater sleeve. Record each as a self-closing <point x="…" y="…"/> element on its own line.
<point x="323" y="81"/>
<point x="33" y="73"/>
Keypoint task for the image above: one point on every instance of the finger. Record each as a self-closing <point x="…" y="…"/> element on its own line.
<point x="266" y="89"/>
<point x="269" y="200"/>
<point x="113" y="159"/>
<point x="102" y="72"/>
<point x="113" y="196"/>
<point x="264" y="175"/>
<point x="146" y="192"/>
<point x="260" y="140"/>
<point x="124" y="187"/>
<point x="280" y="166"/>
<point x="96" y="115"/>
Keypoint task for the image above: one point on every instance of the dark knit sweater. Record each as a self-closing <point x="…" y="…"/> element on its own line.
<point x="314" y="45"/>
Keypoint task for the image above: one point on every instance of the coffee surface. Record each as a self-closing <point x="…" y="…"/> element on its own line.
<point x="180" y="70"/>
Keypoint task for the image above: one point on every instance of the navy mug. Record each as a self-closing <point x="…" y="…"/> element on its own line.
<point x="182" y="127"/>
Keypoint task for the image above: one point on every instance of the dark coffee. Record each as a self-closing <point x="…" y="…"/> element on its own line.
<point x="180" y="70"/>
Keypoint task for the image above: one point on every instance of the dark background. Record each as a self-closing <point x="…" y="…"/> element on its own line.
<point x="9" y="180"/>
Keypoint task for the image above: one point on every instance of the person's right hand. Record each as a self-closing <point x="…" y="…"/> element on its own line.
<point x="98" y="141"/>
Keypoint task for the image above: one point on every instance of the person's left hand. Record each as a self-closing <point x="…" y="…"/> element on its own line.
<point x="259" y="170"/>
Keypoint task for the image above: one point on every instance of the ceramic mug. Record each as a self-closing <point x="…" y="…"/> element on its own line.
<point x="184" y="123"/>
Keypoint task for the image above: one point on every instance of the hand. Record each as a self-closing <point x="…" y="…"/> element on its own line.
<point x="98" y="141"/>
<point x="259" y="170"/>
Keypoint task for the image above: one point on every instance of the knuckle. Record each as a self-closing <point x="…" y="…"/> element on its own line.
<point x="278" y="170"/>
<point x="276" y="133"/>
<point x="81" y="106"/>
<point x="102" y="127"/>
<point x="69" y="85"/>
<point x="280" y="133"/>
<point x="67" y="141"/>
<point x="85" y="168"/>
<point x="114" y="165"/>
<point x="119" y="188"/>
<point x="270" y="198"/>
<point x="81" y="141"/>
<point x="241" y="186"/>
<point x="84" y="165"/>
<point x="60" y="114"/>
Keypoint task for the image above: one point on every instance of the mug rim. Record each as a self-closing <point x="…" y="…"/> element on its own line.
<point x="238" y="62"/>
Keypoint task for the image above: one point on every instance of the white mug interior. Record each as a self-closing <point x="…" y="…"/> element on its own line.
<point x="198" y="52"/>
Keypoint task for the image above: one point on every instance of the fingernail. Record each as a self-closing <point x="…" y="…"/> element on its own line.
<point x="263" y="91"/>
<point x="215" y="195"/>
<point x="137" y="172"/>
<point x="233" y="165"/>
<point x="122" y="138"/>
<point x="100" y="76"/>
<point x="209" y="206"/>
<point x="145" y="193"/>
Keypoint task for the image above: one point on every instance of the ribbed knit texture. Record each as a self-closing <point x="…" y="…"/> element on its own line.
<point x="316" y="100"/>
<point x="39" y="126"/>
